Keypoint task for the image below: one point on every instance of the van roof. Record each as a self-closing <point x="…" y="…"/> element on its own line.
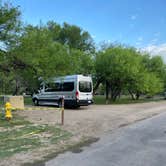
<point x="70" y="76"/>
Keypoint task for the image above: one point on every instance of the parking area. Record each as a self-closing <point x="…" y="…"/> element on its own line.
<point x="94" y="120"/>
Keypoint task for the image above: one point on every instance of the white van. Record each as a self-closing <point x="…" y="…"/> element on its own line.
<point x="77" y="90"/>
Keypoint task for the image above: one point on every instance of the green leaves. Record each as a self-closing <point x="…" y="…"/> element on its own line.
<point x="38" y="55"/>
<point x="9" y="22"/>
<point x="126" y="69"/>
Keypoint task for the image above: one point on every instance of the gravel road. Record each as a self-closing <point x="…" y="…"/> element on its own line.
<point x="95" y="120"/>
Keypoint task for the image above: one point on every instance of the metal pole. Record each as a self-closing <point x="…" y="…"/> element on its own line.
<point x="62" y="112"/>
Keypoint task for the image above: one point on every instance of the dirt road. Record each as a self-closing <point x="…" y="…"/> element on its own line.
<point x="96" y="119"/>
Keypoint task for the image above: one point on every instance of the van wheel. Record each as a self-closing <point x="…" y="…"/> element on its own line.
<point x="36" y="102"/>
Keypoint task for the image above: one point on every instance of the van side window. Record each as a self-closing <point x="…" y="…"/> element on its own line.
<point x="68" y="86"/>
<point x="53" y="87"/>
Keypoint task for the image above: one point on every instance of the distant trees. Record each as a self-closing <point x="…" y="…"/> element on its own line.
<point x="122" y="68"/>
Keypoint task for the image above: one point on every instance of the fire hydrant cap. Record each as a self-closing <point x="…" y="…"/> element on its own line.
<point x="7" y="104"/>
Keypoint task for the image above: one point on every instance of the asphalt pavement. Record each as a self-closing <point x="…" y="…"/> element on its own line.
<point x="139" y="144"/>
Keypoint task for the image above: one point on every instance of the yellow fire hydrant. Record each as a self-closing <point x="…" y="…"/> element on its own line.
<point x="8" y="109"/>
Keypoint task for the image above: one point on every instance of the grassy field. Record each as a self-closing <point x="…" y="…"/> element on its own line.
<point x="28" y="100"/>
<point x="125" y="100"/>
<point x="20" y="135"/>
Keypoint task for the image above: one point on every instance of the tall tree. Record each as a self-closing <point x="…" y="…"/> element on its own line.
<point x="38" y="55"/>
<point x="9" y="23"/>
<point x="75" y="37"/>
<point x="123" y="68"/>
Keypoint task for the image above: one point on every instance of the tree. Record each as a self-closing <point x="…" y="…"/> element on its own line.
<point x="75" y="37"/>
<point x="156" y="65"/>
<point x="9" y="23"/>
<point x="38" y="56"/>
<point x="9" y="27"/>
<point x="122" y="68"/>
<point x="144" y="83"/>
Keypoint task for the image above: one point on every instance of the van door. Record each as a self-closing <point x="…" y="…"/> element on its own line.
<point x="85" y="90"/>
<point x="68" y="90"/>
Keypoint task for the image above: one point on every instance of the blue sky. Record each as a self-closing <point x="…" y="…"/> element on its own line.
<point x="139" y="23"/>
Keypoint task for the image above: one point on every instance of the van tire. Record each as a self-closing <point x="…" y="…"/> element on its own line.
<point x="36" y="102"/>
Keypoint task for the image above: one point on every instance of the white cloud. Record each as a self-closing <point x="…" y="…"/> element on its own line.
<point x="133" y="17"/>
<point x="156" y="50"/>
<point x="138" y="43"/>
<point x="108" y="41"/>
<point x="140" y="38"/>
<point x="93" y="36"/>
<point x="153" y="41"/>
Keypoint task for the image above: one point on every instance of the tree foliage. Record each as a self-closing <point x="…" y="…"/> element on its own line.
<point x="9" y="23"/>
<point x="122" y="68"/>
<point x="38" y="56"/>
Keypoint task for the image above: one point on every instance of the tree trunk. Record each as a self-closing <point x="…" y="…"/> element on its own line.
<point x="132" y="95"/>
<point x="107" y="92"/>
<point x="115" y="94"/>
<point x="137" y="95"/>
<point x="97" y="85"/>
<point x="16" y="87"/>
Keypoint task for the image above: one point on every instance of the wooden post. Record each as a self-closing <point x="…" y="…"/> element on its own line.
<point x="62" y="111"/>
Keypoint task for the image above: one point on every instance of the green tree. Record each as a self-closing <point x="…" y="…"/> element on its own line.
<point x="122" y="68"/>
<point x="38" y="55"/>
<point x="9" y="23"/>
<point x="70" y="35"/>
<point x="9" y="28"/>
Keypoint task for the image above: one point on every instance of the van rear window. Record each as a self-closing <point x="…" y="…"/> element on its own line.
<point x="85" y="86"/>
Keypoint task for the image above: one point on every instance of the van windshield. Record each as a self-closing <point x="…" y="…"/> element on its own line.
<point x="85" y="86"/>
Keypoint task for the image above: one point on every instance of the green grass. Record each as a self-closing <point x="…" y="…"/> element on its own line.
<point x="16" y="121"/>
<point x="28" y="100"/>
<point x="20" y="135"/>
<point x="124" y="100"/>
<point x="1" y="102"/>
